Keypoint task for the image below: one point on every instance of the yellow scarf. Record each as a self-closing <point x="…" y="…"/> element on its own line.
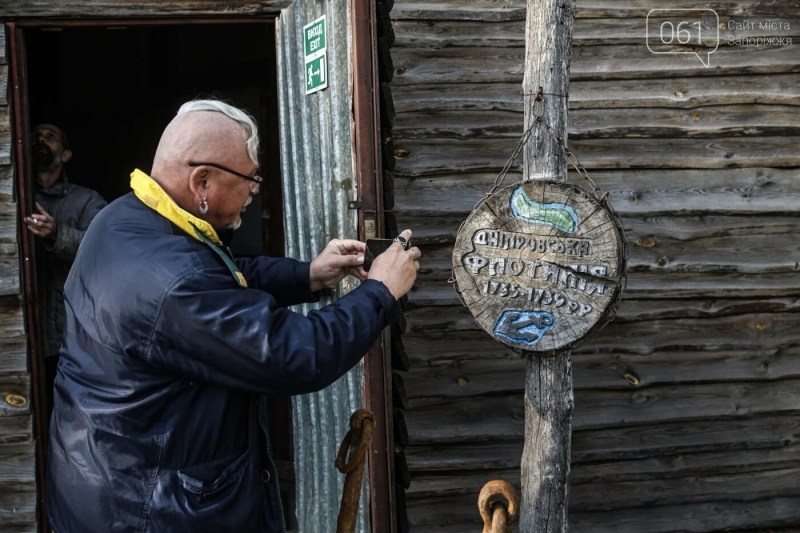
<point x="156" y="198"/>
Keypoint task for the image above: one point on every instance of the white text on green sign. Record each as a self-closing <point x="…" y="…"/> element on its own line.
<point x="314" y="37"/>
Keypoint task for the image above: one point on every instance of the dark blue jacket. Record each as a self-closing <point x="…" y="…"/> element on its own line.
<point x="156" y="420"/>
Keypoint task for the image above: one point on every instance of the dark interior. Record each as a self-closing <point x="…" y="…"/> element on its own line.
<point x="114" y="89"/>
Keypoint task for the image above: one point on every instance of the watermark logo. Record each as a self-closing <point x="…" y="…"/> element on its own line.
<point x="683" y="31"/>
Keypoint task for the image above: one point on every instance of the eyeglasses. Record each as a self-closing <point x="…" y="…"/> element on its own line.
<point x="255" y="181"/>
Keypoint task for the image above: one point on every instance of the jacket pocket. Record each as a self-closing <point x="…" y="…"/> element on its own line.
<point x="210" y="481"/>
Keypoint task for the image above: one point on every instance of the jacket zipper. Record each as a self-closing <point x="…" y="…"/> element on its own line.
<point x="263" y="425"/>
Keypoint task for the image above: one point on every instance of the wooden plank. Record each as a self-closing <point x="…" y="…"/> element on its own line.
<point x="671" y="441"/>
<point x="125" y="8"/>
<point x="3" y="59"/>
<point x="749" y="331"/>
<point x="17" y="463"/>
<point x="462" y="378"/>
<point x="597" y="31"/>
<point x="719" y="515"/>
<point x="717" y="121"/>
<point x="451" y="515"/>
<point x="16" y="429"/>
<point x="3" y="74"/>
<point x="496" y="10"/>
<point x="761" y="481"/>
<point x="627" y="61"/>
<point x="648" y="192"/>
<point x="17" y="504"/>
<point x="502" y="457"/>
<point x="433" y="157"/>
<point x="5" y="136"/>
<point x="13" y="339"/>
<point x="674" y="93"/>
<point x="503" y="416"/>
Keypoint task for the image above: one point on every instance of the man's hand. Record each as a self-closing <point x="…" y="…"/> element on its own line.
<point x="337" y="260"/>
<point x="42" y="224"/>
<point x="397" y="268"/>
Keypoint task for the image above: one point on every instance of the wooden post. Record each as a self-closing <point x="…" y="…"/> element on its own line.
<point x="548" y="383"/>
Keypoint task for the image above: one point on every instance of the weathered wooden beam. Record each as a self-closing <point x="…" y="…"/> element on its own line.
<point x="586" y="32"/>
<point x="502" y="416"/>
<point x="606" y="448"/>
<point x="437" y="157"/>
<point x="624" y="61"/>
<point x="498" y="10"/>
<point x="548" y="394"/>
<point x="718" y="121"/>
<point x="673" y="93"/>
<point x="151" y="8"/>
<point x="464" y="378"/>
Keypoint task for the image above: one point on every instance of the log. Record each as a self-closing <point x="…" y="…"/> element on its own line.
<point x="440" y="515"/>
<point x="459" y="378"/>
<point x="645" y="192"/>
<point x="748" y="331"/>
<point x="625" y="61"/>
<point x="607" y="449"/>
<point x="719" y="121"/>
<point x="674" y="93"/>
<point x="586" y="32"/>
<point x="17" y="504"/>
<point x="515" y="9"/>
<point x="434" y="157"/>
<point x="475" y="419"/>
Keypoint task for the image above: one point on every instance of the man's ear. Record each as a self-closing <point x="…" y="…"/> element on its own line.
<point x="66" y="155"/>
<point x="198" y="183"/>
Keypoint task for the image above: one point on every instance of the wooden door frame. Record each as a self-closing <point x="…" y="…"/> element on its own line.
<point x="367" y="164"/>
<point x="366" y="145"/>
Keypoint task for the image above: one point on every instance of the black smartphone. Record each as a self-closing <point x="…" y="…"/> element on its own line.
<point x="376" y="247"/>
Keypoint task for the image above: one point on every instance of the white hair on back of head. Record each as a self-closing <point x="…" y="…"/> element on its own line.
<point x="247" y="122"/>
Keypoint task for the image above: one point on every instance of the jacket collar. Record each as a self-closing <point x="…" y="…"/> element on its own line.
<point x="58" y="188"/>
<point x="152" y="195"/>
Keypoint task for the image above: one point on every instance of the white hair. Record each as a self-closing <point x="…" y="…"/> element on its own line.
<point x="246" y="121"/>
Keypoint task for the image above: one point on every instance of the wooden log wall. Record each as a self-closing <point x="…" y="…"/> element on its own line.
<point x="17" y="456"/>
<point x="686" y="406"/>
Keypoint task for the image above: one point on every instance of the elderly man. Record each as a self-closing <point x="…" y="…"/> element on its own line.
<point x="159" y="421"/>
<point x="63" y="213"/>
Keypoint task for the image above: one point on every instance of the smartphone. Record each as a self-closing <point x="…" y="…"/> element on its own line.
<point x="376" y="247"/>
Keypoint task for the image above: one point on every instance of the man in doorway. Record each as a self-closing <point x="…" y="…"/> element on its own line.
<point x="63" y="213"/>
<point x="171" y="344"/>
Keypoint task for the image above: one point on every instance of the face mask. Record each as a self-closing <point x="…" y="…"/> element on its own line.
<point x="43" y="157"/>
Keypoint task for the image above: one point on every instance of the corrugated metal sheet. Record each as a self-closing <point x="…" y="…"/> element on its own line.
<point x="317" y="168"/>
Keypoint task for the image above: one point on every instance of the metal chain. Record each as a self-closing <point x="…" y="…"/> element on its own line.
<point x="602" y="197"/>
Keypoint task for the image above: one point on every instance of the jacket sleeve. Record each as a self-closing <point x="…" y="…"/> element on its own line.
<point x="287" y="280"/>
<point x="241" y="339"/>
<point x="68" y="238"/>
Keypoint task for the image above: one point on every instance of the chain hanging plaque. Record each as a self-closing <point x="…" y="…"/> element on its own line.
<point x="539" y="264"/>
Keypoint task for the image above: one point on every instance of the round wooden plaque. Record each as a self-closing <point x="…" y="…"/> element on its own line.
<point x="538" y="264"/>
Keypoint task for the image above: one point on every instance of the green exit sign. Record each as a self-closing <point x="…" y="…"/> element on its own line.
<point x="316" y="75"/>
<point x="314" y="37"/>
<point x="315" y="45"/>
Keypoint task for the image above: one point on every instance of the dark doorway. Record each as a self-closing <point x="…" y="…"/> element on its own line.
<point x="115" y="88"/>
